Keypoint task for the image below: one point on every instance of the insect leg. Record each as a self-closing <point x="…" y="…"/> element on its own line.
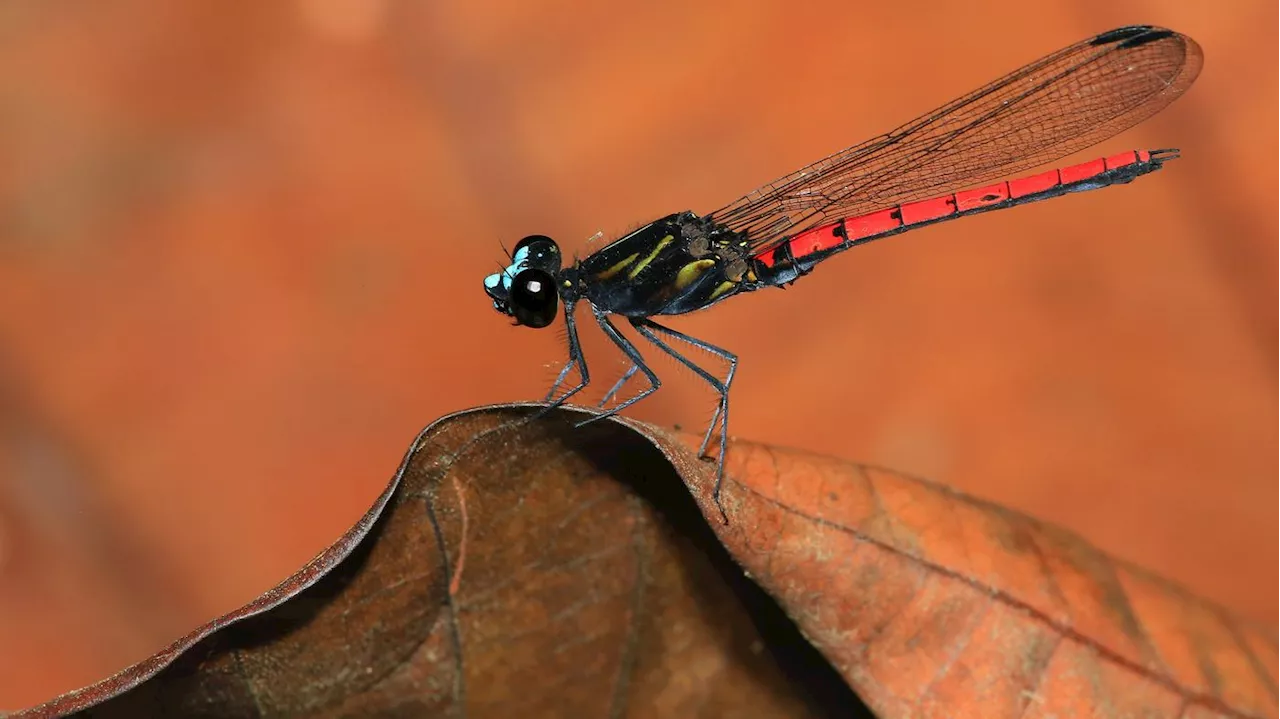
<point x="633" y="354"/>
<point x="631" y="371"/>
<point x="576" y="359"/>
<point x="650" y="330"/>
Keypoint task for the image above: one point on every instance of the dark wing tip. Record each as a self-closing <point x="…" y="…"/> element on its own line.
<point x="1153" y="35"/>
<point x="1132" y="35"/>
<point x="1120" y="33"/>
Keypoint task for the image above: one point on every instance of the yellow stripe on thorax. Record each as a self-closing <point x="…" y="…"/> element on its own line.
<point x="691" y="272"/>
<point x="645" y="262"/>
<point x="617" y="268"/>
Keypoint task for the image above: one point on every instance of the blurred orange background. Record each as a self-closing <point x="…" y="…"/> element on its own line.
<point x="242" y="247"/>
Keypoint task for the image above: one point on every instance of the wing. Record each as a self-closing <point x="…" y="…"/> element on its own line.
<point x="1067" y="101"/>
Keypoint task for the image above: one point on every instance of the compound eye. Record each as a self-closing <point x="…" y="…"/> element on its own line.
<point x="538" y="251"/>
<point x="532" y="240"/>
<point x="534" y="298"/>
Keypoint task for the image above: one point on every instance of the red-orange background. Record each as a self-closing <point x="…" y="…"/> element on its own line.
<point x="241" y="247"/>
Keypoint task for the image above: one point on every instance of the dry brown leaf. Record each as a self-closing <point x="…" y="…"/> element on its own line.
<point x="532" y="568"/>
<point x="932" y="603"/>
<point x="512" y="569"/>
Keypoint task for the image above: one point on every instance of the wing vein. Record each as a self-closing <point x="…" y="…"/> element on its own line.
<point x="1050" y="108"/>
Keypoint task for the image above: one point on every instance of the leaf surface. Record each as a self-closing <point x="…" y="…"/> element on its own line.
<point x="517" y="566"/>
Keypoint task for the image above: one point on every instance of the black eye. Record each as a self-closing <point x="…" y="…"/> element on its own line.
<point x="538" y="251"/>
<point x="532" y="240"/>
<point x="534" y="298"/>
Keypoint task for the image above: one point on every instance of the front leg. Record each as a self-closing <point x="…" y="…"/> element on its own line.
<point x="576" y="359"/>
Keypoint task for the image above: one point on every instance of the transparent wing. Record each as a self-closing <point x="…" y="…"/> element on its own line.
<point x="1067" y="101"/>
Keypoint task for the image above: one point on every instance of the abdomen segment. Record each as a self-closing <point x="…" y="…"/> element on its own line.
<point x="796" y="256"/>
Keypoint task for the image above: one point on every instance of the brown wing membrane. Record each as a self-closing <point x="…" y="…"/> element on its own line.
<point x="1067" y="101"/>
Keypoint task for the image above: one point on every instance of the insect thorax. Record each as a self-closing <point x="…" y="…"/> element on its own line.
<point x="676" y="264"/>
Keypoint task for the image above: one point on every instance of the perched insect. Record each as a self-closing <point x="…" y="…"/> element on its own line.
<point x="899" y="181"/>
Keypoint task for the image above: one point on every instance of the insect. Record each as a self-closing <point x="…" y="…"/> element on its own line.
<point x="908" y="178"/>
